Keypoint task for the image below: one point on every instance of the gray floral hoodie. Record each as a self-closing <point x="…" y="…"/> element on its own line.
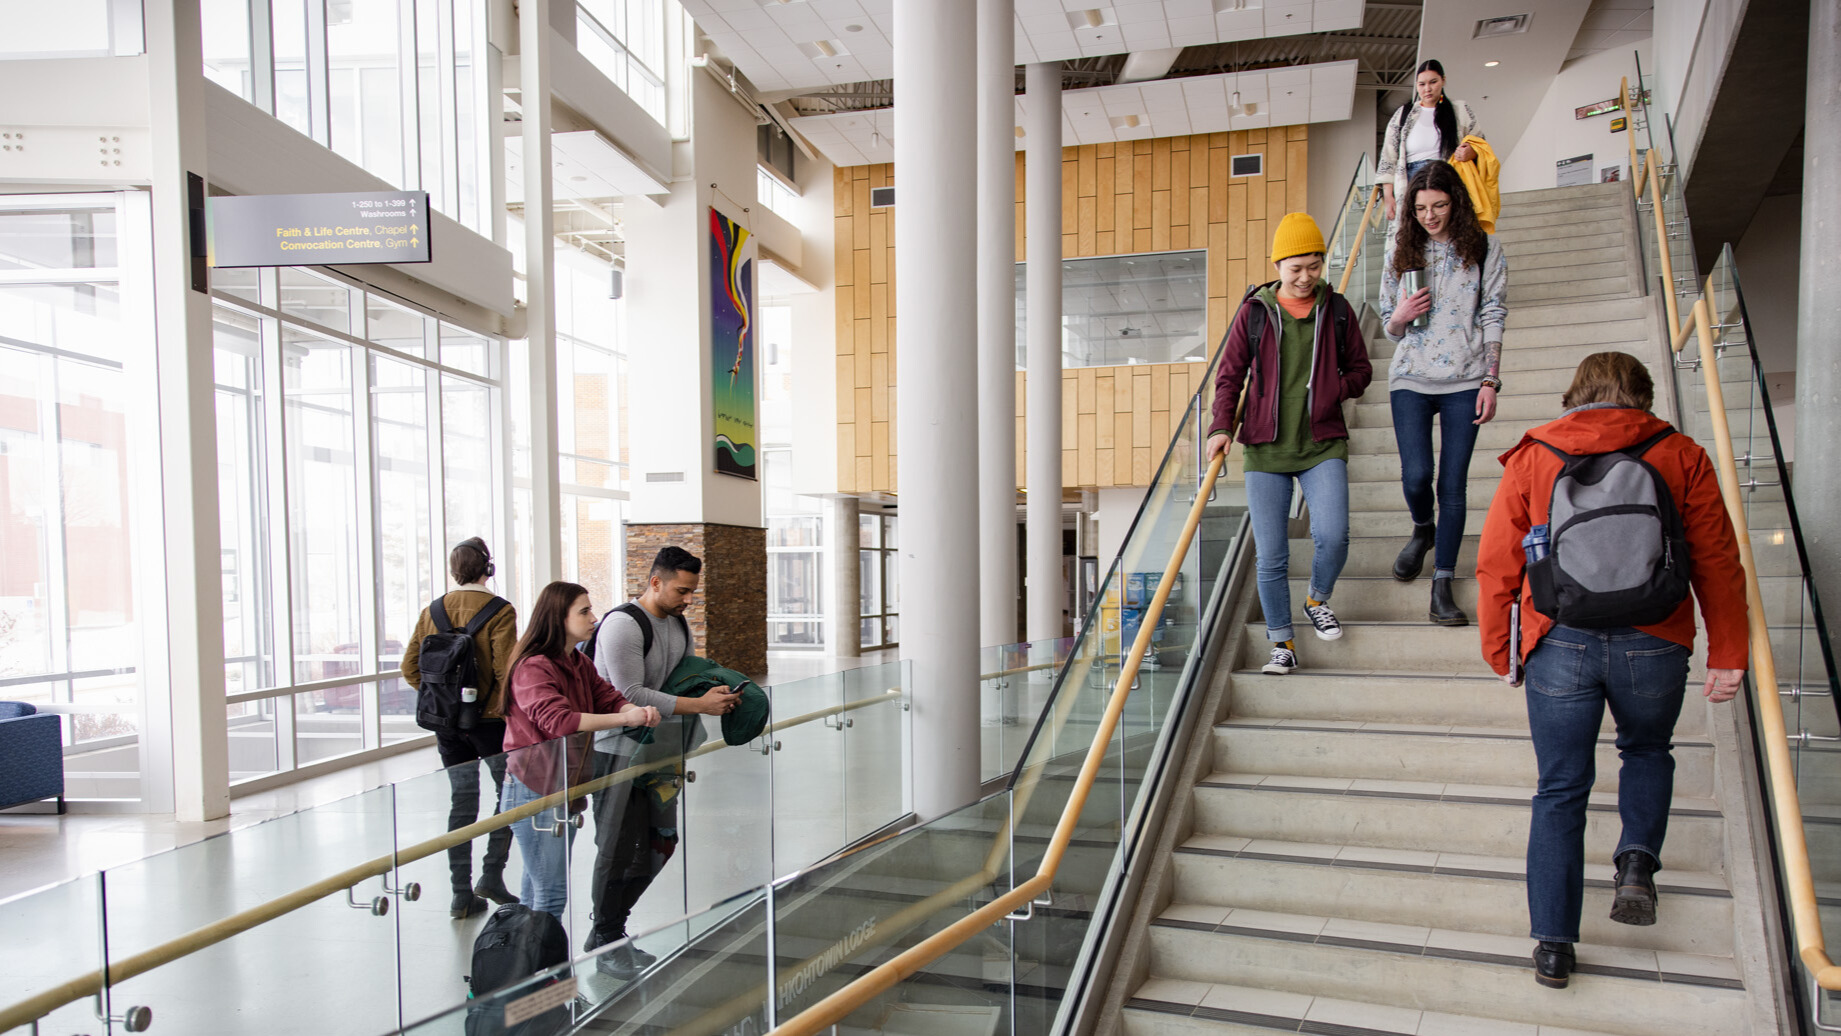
<point x="1469" y="308"/>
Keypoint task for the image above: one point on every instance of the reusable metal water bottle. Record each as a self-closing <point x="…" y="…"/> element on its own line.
<point x="1410" y="283"/>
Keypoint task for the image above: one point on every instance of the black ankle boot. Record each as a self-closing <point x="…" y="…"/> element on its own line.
<point x="1635" y="902"/>
<point x="1445" y="611"/>
<point x="1412" y="557"/>
<point x="1553" y="964"/>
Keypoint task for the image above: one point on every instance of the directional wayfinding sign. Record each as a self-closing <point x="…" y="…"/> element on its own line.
<point x="319" y="229"/>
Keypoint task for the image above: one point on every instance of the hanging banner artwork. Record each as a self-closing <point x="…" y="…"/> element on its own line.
<point x="732" y="339"/>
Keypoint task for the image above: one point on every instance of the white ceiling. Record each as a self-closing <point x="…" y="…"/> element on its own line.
<point x="1612" y="24"/>
<point x="775" y="43"/>
<point x="1504" y="97"/>
<point x="1164" y="108"/>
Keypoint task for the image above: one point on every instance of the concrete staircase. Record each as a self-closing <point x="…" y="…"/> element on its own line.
<point x="1351" y="857"/>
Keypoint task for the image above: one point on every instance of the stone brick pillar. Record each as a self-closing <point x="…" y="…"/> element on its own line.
<point x="728" y="617"/>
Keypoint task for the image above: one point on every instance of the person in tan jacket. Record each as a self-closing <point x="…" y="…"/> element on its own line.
<point x="470" y="563"/>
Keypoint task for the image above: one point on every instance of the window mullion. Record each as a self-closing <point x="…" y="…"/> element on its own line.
<point x="407" y="90"/>
<point x="51" y="475"/>
<point x="319" y="92"/>
<point x="365" y="526"/>
<point x="450" y="114"/>
<point x="262" y="55"/>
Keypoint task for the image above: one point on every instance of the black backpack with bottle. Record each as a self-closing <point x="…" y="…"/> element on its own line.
<point x="448" y="664"/>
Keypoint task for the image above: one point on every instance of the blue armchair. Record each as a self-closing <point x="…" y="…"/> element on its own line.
<point x="31" y="756"/>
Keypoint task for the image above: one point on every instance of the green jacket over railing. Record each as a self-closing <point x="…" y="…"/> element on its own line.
<point x="694" y="676"/>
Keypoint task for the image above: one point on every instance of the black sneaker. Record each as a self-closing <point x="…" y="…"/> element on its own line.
<point x="1324" y="620"/>
<point x="1284" y="660"/>
<point x="624" y="962"/>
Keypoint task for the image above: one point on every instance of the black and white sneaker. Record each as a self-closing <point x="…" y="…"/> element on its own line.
<point x="1324" y="620"/>
<point x="1284" y="660"/>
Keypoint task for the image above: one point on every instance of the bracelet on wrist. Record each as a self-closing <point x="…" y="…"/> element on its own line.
<point x="1490" y="381"/>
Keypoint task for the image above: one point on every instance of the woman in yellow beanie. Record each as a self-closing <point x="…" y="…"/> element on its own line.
<point x="1296" y="348"/>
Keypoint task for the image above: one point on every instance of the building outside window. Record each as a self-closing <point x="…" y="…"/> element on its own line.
<point x="1126" y="309"/>
<point x="625" y="39"/>
<point x="358" y="440"/>
<point x="773" y="192"/>
<point x="69" y="623"/>
<point x="880" y="587"/>
<point x="590" y="392"/>
<point x="795" y="524"/>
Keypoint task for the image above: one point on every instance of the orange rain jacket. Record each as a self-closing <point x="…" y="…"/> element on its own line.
<point x="1521" y="502"/>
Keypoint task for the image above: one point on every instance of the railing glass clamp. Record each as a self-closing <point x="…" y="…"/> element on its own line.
<point x="134" y="1019"/>
<point x="378" y="906"/>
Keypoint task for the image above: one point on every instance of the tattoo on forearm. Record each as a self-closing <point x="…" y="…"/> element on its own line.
<point x="1492" y="353"/>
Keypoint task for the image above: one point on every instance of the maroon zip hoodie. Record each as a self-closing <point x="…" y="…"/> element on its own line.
<point x="1341" y="364"/>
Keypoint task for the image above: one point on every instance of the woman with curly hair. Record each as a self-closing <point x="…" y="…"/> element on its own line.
<point x="1449" y="368"/>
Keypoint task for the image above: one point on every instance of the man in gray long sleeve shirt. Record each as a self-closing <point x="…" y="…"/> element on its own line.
<point x="635" y="835"/>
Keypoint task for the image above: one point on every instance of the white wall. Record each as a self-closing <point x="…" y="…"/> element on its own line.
<point x="1553" y="133"/>
<point x="1334" y="148"/>
<point x="1768" y="272"/>
<point x="668" y="298"/>
<point x="1113" y="514"/>
<point x="815" y="334"/>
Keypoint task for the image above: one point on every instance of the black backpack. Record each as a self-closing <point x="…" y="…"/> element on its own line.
<point x="516" y="943"/>
<point x="449" y="664"/>
<point x="1256" y="318"/>
<point x="1617" y="551"/>
<point x="632" y="610"/>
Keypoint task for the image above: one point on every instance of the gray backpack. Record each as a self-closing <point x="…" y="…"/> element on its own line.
<point x="1617" y="552"/>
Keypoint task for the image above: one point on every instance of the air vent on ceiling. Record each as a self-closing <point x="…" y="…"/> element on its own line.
<point x="1247" y="165"/>
<point x="664" y="476"/>
<point x="881" y="197"/>
<point x="1507" y="25"/>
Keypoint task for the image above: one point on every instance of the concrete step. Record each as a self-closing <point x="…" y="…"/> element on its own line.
<point x="1482" y="894"/>
<point x="1397" y="646"/>
<point x="1583" y="193"/>
<point x="1381" y="492"/>
<point x="1539" y="227"/>
<point x="1373" y="556"/>
<point x="1379" y="466"/>
<point x="1592" y="219"/>
<point x="1576" y="291"/>
<point x="1528" y="201"/>
<point x="1476" y="700"/>
<point x="1432" y="752"/>
<point x="1467" y="819"/>
<point x="1519" y="357"/>
<point x="1166" y="1007"/>
<point x="1382" y="598"/>
<point x="1493" y="438"/>
<point x="1399" y="972"/>
<point x="1579" y="313"/>
<point x="1527" y="251"/>
<point x="1374" y="410"/>
<point x="1526" y="261"/>
<point x="1391" y="522"/>
<point x="1607" y="271"/>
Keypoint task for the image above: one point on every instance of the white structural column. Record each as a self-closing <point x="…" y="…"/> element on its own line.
<point x="1818" y="341"/>
<point x="188" y="420"/>
<point x="936" y="381"/>
<point x="997" y="568"/>
<point x="540" y="293"/>
<point x="1042" y="445"/>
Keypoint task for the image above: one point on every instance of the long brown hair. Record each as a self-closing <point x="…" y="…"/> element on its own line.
<point x="1467" y="235"/>
<point x="1611" y="377"/>
<point x="547" y="634"/>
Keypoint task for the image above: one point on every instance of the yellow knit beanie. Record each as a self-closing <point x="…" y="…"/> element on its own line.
<point x="1297" y="234"/>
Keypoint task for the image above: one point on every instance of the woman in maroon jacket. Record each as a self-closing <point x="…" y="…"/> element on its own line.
<point x="554" y="693"/>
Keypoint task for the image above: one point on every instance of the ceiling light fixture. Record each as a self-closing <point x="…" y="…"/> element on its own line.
<point x="1491" y="64"/>
<point x="825" y="48"/>
<point x="1095" y="19"/>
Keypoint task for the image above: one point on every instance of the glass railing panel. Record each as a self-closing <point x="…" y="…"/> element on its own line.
<point x="72" y="910"/>
<point x="436" y="948"/>
<point x="808" y="774"/>
<point x="256" y="977"/>
<point x="703" y="975"/>
<point x="876" y="777"/>
<point x="1016" y="680"/>
<point x="836" y="921"/>
<point x="726" y="817"/>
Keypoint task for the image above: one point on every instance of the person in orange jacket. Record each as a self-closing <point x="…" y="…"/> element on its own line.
<point x="1573" y="674"/>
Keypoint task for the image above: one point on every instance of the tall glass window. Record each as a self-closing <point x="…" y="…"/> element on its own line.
<point x="69" y="635"/>
<point x="396" y="86"/>
<point x="625" y="39"/>
<point x="879" y="589"/>
<point x="339" y="510"/>
<point x="590" y="392"/>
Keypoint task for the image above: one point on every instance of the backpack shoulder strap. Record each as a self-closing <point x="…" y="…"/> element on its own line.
<point x="484" y="615"/>
<point x="631" y="611"/>
<point x="1643" y="447"/>
<point x="437" y="610"/>
<point x="1556" y="451"/>
<point x="684" y="624"/>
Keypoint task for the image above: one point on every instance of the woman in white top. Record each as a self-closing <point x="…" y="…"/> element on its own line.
<point x="1431" y="130"/>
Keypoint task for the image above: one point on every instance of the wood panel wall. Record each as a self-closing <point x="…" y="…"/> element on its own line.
<point x="1167" y="194"/>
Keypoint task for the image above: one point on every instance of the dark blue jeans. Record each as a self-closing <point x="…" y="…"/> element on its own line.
<point x="1457" y="437"/>
<point x="1571" y="676"/>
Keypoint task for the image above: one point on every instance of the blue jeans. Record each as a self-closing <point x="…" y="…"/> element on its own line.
<point x="1571" y="676"/>
<point x="1412" y="169"/>
<point x="1326" y="490"/>
<point x="546" y="857"/>
<point x="1457" y="437"/>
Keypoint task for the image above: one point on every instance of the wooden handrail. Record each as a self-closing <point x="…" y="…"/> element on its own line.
<point x="1799" y="881"/>
<point x="836" y="1007"/>
<point x="1668" y="262"/>
<point x="1348" y="268"/>
<point x="1001" y="673"/>
<point x="45" y="1001"/>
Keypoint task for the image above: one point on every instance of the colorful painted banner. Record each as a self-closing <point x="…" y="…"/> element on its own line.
<point x="732" y="339"/>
